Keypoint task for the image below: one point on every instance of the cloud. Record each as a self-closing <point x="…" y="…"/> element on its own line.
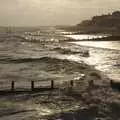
<point x="47" y="12"/>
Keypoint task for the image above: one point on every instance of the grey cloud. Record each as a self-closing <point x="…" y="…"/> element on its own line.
<point x="47" y="12"/>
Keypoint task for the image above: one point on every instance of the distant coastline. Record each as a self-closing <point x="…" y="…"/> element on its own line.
<point x="106" y="24"/>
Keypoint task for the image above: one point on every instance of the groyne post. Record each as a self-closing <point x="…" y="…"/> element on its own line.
<point x="71" y="83"/>
<point x="32" y="85"/>
<point x="13" y="86"/>
<point x="91" y="83"/>
<point x="52" y="84"/>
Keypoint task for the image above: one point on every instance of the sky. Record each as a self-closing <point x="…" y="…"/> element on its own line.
<point x="52" y="12"/>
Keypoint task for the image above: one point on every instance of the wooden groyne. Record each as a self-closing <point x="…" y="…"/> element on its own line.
<point x="26" y="86"/>
<point x="30" y="86"/>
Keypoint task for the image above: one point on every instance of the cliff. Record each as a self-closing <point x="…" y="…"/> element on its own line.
<point x="109" y="23"/>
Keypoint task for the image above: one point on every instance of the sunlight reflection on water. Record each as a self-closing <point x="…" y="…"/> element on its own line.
<point x="101" y="44"/>
<point x="104" y="55"/>
<point x="81" y="37"/>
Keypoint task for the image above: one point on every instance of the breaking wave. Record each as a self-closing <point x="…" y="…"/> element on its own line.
<point x="84" y="53"/>
<point x="51" y="64"/>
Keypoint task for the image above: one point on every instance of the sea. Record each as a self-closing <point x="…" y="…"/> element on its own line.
<point x="22" y="60"/>
<point x="104" y="55"/>
<point x="45" y="54"/>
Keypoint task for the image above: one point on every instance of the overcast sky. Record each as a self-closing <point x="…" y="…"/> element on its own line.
<point x="52" y="12"/>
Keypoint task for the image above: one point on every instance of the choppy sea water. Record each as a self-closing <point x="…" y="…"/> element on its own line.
<point x="105" y="56"/>
<point x="23" y="61"/>
<point x="32" y="60"/>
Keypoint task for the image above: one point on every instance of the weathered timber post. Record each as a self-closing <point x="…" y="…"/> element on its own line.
<point x="32" y="85"/>
<point x="13" y="86"/>
<point x="91" y="83"/>
<point x="52" y="84"/>
<point x="111" y="82"/>
<point x="71" y="83"/>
